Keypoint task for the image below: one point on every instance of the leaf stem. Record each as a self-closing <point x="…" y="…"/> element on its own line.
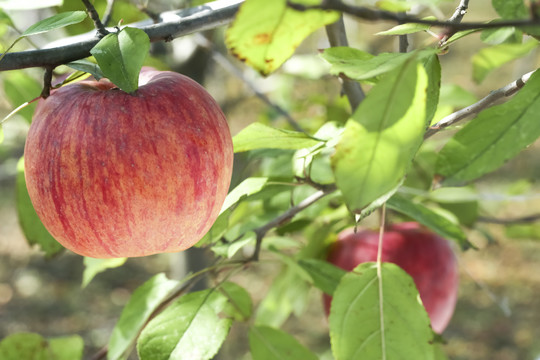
<point x="379" y="275"/>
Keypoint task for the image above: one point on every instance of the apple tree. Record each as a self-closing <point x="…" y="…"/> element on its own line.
<point x="389" y="139"/>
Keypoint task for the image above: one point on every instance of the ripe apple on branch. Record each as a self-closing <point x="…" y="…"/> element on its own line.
<point x="425" y="256"/>
<point x="113" y="174"/>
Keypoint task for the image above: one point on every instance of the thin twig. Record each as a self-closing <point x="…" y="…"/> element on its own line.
<point x="369" y="14"/>
<point x="475" y="108"/>
<point x="338" y="37"/>
<point x="456" y="18"/>
<point x="102" y="32"/>
<point x="260" y="232"/>
<point x="107" y="15"/>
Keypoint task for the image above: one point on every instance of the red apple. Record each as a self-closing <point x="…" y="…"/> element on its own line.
<point x="426" y="257"/>
<point x="113" y="174"/>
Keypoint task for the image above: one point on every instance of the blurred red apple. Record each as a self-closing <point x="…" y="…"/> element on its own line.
<point x="113" y="174"/>
<point x="426" y="257"/>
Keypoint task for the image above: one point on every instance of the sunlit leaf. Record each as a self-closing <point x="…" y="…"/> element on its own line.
<point x="55" y="22"/>
<point x="495" y="136"/>
<point x="382" y="137"/>
<point x="121" y="56"/>
<point x="190" y="328"/>
<point x="394" y="323"/>
<point x="488" y="59"/>
<point x="265" y="33"/>
<point x="407" y="28"/>
<point x="92" y="267"/>
<point x="267" y="343"/>
<point x="259" y="136"/>
<point x="144" y="300"/>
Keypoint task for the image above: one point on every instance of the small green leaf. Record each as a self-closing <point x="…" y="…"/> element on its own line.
<point x="92" y="267"/>
<point x="259" y="136"/>
<point x="407" y="28"/>
<point x="489" y="59"/>
<point x="429" y="218"/>
<point x="325" y="276"/>
<point x="267" y="343"/>
<point x="33" y="346"/>
<point x="190" y="328"/>
<point x="247" y="187"/>
<point x="382" y="137"/>
<point x="510" y="9"/>
<point x="121" y="56"/>
<point x="523" y="231"/>
<point x="394" y="5"/>
<point x="362" y="299"/>
<point x="32" y="227"/>
<point x="360" y="65"/>
<point x="495" y="136"/>
<point x="55" y="22"/>
<point x="88" y="67"/>
<point x="265" y="33"/>
<point x="242" y="305"/>
<point x="144" y="300"/>
<point x="5" y="19"/>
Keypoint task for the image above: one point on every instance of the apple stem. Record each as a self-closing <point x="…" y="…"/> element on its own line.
<point x="47" y="79"/>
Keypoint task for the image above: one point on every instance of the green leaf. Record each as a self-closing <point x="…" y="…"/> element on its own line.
<point x="92" y="267"/>
<point x="361" y="65"/>
<point x="523" y="231"/>
<point x="259" y="136"/>
<point x="190" y="328"/>
<point x="429" y="218"/>
<point x="267" y="343"/>
<point x="433" y="71"/>
<point x="393" y="5"/>
<point x="247" y="187"/>
<point x="33" y="346"/>
<point x="325" y="276"/>
<point x="121" y="56"/>
<point x="265" y="33"/>
<point x="382" y="137"/>
<point x="404" y="29"/>
<point x="495" y="136"/>
<point x="488" y="59"/>
<point x="287" y="294"/>
<point x="242" y="306"/>
<point x="20" y="88"/>
<point x="362" y="299"/>
<point x="143" y="302"/>
<point x="5" y="18"/>
<point x="32" y="227"/>
<point x="88" y="67"/>
<point x="55" y="22"/>
<point x="510" y="9"/>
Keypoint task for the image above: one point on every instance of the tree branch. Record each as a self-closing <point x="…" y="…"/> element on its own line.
<point x="91" y="10"/>
<point x="173" y="24"/>
<point x="338" y="37"/>
<point x="475" y="108"/>
<point x="369" y="14"/>
<point x="260" y="232"/>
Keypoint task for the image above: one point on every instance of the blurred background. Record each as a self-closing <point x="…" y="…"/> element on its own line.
<point x="498" y="311"/>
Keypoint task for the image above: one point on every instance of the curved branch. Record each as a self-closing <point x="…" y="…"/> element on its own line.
<point x="173" y="24"/>
<point x="475" y="108"/>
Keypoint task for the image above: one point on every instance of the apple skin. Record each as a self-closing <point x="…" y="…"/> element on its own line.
<point x="113" y="174"/>
<point x="426" y="257"/>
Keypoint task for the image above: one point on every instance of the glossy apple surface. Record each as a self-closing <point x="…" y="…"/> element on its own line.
<point x="425" y="256"/>
<point x="112" y="174"/>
